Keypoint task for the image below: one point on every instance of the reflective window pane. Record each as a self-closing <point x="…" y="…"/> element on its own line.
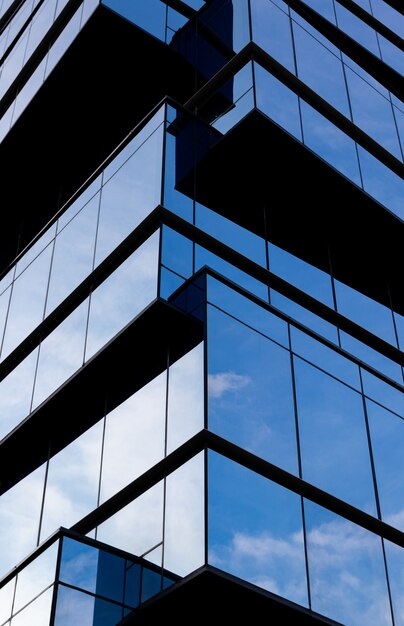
<point x="325" y="358"/>
<point x="16" y="394"/>
<point x="365" y="311"/>
<point x="35" y="577"/>
<point x="330" y="143"/>
<point x="334" y="447"/>
<point x="20" y="509"/>
<point x="123" y="295"/>
<point x="387" y="435"/>
<point x="38" y="612"/>
<point x="138" y="527"/>
<point x="61" y="354"/>
<point x="6" y="600"/>
<point x="255" y="532"/>
<point x="301" y="274"/>
<point x="74" y="607"/>
<point x="277" y="101"/>
<point x="73" y="254"/>
<point x="395" y="567"/>
<point x="250" y="396"/>
<point x="27" y="301"/>
<point x="134" y="437"/>
<point x="184" y="537"/>
<point x="346" y="569"/>
<point x="383" y="393"/>
<point x="272" y="31"/>
<point x="185" y="398"/>
<point x="130" y="194"/>
<point x="230" y="301"/>
<point x="73" y="480"/>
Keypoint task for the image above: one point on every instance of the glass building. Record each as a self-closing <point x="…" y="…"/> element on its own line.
<point x="201" y="312"/>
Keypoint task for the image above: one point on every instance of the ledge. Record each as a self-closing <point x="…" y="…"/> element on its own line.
<point x="301" y="216"/>
<point x="217" y="597"/>
<point x="80" y="402"/>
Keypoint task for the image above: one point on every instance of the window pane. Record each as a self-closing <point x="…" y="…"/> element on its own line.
<point x="347" y="575"/>
<point x="255" y="531"/>
<point x="277" y="101"/>
<point x="16" y="394"/>
<point x="395" y="567"/>
<point x="20" y="508"/>
<point x="334" y="447"/>
<point x="138" y="527"/>
<point x="74" y="607"/>
<point x="73" y="254"/>
<point x="61" y="354"/>
<point x="184" y="547"/>
<point x="185" y="398"/>
<point x="387" y="434"/>
<point x="134" y="437"/>
<point x="130" y="194"/>
<point x="272" y="31"/>
<point x="250" y="396"/>
<point x="6" y="600"/>
<point x="27" y="301"/>
<point x="35" y="577"/>
<point x="123" y="295"/>
<point x="38" y="612"/>
<point x="72" y="484"/>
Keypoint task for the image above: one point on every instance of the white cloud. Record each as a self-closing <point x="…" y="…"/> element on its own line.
<point x="226" y="382"/>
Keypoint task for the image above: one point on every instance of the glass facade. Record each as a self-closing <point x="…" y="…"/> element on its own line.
<point x="201" y="363"/>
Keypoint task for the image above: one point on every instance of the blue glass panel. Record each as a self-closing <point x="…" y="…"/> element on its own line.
<point x="74" y="607"/>
<point x="301" y="274"/>
<point x="132" y="584"/>
<point x="387" y="434"/>
<point x="231" y="234"/>
<point x="169" y="283"/>
<point x="325" y="358"/>
<point x="381" y="183"/>
<point x="356" y="28"/>
<point x="372" y="112"/>
<point x="150" y="15"/>
<point x="271" y="30"/>
<point x="330" y="143"/>
<point x="151" y="583"/>
<point x="130" y="194"/>
<point x="333" y="439"/>
<point x="324" y="7"/>
<point x="79" y="564"/>
<point x="372" y="357"/>
<point x="250" y="390"/>
<point x="247" y="311"/>
<point x="384" y="393"/>
<point x="364" y="311"/>
<point x="304" y="316"/>
<point x="177" y="252"/>
<point x="277" y="101"/>
<point x="204" y="257"/>
<point x="346" y="569"/>
<point x="255" y="531"/>
<point x="320" y="69"/>
<point x="395" y="567"/>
